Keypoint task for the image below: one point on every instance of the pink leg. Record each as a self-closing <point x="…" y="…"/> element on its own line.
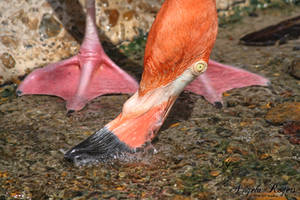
<point x="83" y="77"/>
<point x="219" y="78"/>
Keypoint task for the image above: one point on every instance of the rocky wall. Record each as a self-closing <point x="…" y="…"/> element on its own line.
<point x="34" y="33"/>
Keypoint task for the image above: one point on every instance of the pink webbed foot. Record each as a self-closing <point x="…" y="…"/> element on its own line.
<point x="83" y="77"/>
<point x="219" y="78"/>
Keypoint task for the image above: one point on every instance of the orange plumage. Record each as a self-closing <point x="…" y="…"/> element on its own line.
<point x="184" y="31"/>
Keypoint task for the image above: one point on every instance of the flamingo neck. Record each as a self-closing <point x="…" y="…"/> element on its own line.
<point x="138" y="104"/>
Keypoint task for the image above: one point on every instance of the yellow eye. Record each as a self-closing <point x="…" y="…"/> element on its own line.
<point x="199" y="67"/>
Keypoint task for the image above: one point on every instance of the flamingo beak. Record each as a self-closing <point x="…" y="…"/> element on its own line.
<point x="123" y="136"/>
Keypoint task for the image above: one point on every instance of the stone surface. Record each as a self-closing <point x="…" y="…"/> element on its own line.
<point x="20" y="38"/>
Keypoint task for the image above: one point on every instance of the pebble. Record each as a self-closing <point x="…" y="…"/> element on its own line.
<point x="188" y="170"/>
<point x="224" y="132"/>
<point x="285" y="112"/>
<point x="285" y="177"/>
<point x="246" y="182"/>
<point x="122" y="174"/>
<point x="180" y="197"/>
<point x="296" y="48"/>
<point x="264" y="156"/>
<point x="294" y="69"/>
<point x="215" y="173"/>
<point x="292" y="130"/>
<point x="233" y="159"/>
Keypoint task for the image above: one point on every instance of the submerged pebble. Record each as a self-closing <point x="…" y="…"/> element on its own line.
<point x="296" y="48"/>
<point x="294" y="68"/>
<point x="292" y="131"/>
<point x="285" y="112"/>
<point x="224" y="132"/>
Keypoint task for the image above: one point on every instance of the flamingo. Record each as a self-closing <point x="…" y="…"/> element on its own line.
<point x="92" y="73"/>
<point x="177" y="53"/>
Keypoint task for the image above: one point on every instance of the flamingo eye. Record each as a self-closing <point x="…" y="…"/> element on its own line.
<point x="199" y="67"/>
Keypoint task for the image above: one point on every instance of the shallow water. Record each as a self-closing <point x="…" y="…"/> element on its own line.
<point x="202" y="152"/>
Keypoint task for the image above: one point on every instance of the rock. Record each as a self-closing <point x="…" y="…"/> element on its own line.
<point x="233" y="159"/>
<point x="224" y="132"/>
<point x="122" y="174"/>
<point x="294" y="69"/>
<point x="296" y="48"/>
<point x="285" y="177"/>
<point x="215" y="173"/>
<point x="264" y="156"/>
<point x="285" y="112"/>
<point x="292" y="130"/>
<point x="226" y="7"/>
<point x="180" y="197"/>
<point x="188" y="170"/>
<point x="248" y="182"/>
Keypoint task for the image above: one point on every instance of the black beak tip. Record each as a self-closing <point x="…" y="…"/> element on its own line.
<point x="103" y="146"/>
<point x="69" y="156"/>
<point x="79" y="157"/>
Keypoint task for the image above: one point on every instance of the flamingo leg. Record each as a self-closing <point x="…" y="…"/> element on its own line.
<point x="220" y="78"/>
<point x="83" y="77"/>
